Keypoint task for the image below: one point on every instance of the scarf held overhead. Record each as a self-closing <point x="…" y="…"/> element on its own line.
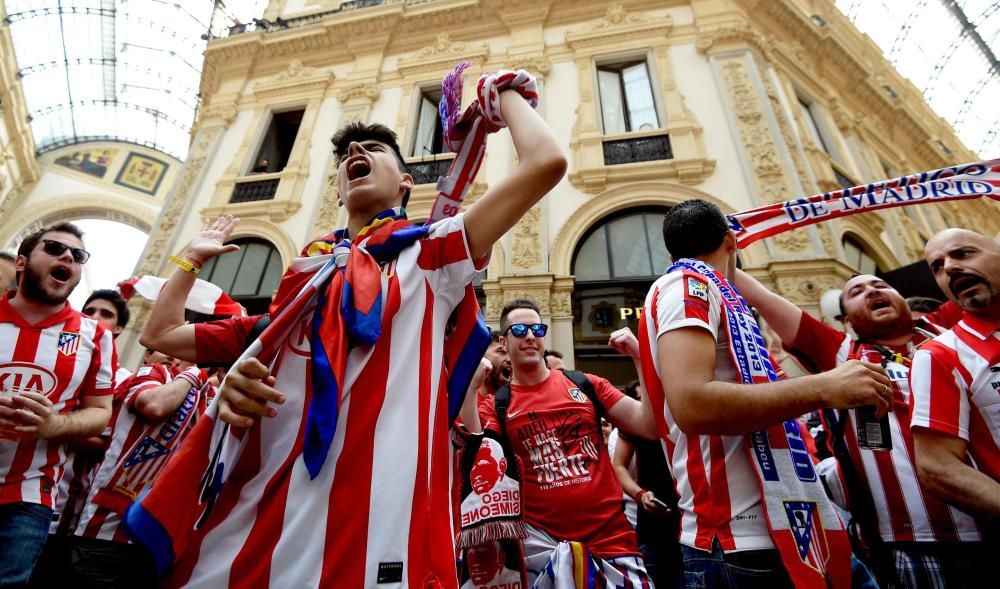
<point x="811" y="538"/>
<point x="957" y="183"/>
<point x="337" y="280"/>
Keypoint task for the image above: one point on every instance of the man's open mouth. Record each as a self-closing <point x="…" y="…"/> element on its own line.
<point x="963" y="282"/>
<point x="880" y="304"/>
<point x="358" y="168"/>
<point x="61" y="273"/>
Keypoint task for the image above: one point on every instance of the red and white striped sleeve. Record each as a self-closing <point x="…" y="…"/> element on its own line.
<point x="147" y="377"/>
<point x="939" y="391"/>
<point x="100" y="379"/>
<point x="446" y="259"/>
<point x="687" y="299"/>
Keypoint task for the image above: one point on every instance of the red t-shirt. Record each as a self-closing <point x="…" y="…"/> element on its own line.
<point x="222" y="341"/>
<point x="568" y="486"/>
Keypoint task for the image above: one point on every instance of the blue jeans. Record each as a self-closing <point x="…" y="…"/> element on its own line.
<point x="746" y="569"/>
<point x="24" y="528"/>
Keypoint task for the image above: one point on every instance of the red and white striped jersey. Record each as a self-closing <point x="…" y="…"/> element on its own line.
<point x="78" y="475"/>
<point x="719" y="495"/>
<point x="380" y="510"/>
<point x="956" y="389"/>
<point x="66" y="357"/>
<point x="138" y="451"/>
<point x="906" y="511"/>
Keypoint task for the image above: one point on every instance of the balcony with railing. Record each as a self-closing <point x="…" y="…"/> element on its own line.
<point x="428" y="171"/>
<point x="628" y="150"/>
<point x="255" y="188"/>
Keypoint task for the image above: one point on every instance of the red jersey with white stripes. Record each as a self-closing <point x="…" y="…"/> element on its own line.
<point x="138" y="451"/>
<point x="552" y="429"/>
<point x="719" y="496"/>
<point x="956" y="389"/>
<point x="380" y="508"/>
<point x="65" y="357"/>
<point x="906" y="511"/>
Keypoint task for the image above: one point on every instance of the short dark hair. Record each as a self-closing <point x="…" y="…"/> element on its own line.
<point x="495" y="336"/>
<point x="29" y="242"/>
<point x="694" y="228"/>
<point x="358" y="131"/>
<point x="923" y="304"/>
<point x="116" y="299"/>
<point x="632" y="389"/>
<point x="553" y="353"/>
<point x="840" y="299"/>
<point x="515" y="305"/>
<point x="6" y="255"/>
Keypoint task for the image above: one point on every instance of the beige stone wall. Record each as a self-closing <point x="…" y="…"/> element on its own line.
<point x="728" y="76"/>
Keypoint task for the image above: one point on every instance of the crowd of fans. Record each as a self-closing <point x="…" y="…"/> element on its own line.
<point x="880" y="468"/>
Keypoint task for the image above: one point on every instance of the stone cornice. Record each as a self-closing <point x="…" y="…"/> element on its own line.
<point x="616" y="26"/>
<point x="297" y="80"/>
<point x="442" y="55"/>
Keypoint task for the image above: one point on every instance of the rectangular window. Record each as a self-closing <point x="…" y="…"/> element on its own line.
<point x="276" y="148"/>
<point x="626" y="94"/>
<point x="428" y="138"/>
<point x="812" y="127"/>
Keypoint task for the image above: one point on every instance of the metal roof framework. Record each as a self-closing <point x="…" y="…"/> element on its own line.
<point x="948" y="49"/>
<point x="115" y="70"/>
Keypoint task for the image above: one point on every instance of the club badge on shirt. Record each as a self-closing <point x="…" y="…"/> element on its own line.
<point x="577" y="395"/>
<point x="69" y="343"/>
<point x="697" y="289"/>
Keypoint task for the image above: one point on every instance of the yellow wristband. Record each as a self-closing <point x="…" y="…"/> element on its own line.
<point x="186" y="265"/>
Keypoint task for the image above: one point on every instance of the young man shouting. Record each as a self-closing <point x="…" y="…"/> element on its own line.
<point x="345" y="481"/>
<point x="914" y="539"/>
<point x="55" y="382"/>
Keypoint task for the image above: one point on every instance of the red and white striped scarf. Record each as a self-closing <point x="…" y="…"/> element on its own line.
<point x="952" y="184"/>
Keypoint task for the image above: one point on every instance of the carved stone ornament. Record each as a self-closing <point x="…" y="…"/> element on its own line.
<point x="165" y="228"/>
<point x="806" y="290"/>
<point x="527" y="242"/>
<point x="297" y="78"/>
<point x="733" y="34"/>
<point x="617" y="26"/>
<point x="796" y="240"/>
<point x="364" y="91"/>
<point x="755" y="133"/>
<point x="561" y="304"/>
<point x="442" y="54"/>
<point x="223" y="112"/>
<point x="329" y="209"/>
<point x="534" y="64"/>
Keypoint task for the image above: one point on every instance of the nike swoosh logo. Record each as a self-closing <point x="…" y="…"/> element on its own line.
<point x="514" y="413"/>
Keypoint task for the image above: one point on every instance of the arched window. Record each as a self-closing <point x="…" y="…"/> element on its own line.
<point x="614" y="265"/>
<point x="250" y="275"/>
<point x="859" y="258"/>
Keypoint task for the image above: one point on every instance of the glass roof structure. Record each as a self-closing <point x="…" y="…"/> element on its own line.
<point x="948" y="49"/>
<point x="116" y="70"/>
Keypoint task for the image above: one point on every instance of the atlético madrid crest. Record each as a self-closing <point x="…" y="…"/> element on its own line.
<point x="810" y="538"/>
<point x="69" y="343"/>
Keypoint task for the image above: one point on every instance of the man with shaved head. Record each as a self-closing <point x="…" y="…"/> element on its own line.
<point x="956" y="379"/>
<point x="915" y="539"/>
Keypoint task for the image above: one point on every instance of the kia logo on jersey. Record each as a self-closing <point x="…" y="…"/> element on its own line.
<point x="23" y="377"/>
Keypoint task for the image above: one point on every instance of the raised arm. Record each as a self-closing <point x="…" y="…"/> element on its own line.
<point x="782" y="315"/>
<point x="702" y="405"/>
<point x="629" y="415"/>
<point x="166" y="330"/>
<point x="541" y="166"/>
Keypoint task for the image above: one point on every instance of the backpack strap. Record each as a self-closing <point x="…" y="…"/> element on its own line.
<point x="581" y="380"/>
<point x="501" y="400"/>
<point x="258" y="328"/>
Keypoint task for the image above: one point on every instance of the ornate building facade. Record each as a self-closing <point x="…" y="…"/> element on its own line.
<point x="740" y="102"/>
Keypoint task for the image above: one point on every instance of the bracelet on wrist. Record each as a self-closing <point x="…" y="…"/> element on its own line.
<point x="639" y="494"/>
<point x="186" y="264"/>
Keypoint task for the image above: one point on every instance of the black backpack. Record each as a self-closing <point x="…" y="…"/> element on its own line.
<point x="502" y="398"/>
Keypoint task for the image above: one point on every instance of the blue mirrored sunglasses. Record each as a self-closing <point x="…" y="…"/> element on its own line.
<point x="521" y="329"/>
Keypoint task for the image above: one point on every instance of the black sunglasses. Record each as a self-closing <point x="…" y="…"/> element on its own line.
<point x="57" y="248"/>
<point x="521" y="329"/>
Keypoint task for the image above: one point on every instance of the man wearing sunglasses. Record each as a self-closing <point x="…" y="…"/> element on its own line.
<point x="55" y="382"/>
<point x="569" y="489"/>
